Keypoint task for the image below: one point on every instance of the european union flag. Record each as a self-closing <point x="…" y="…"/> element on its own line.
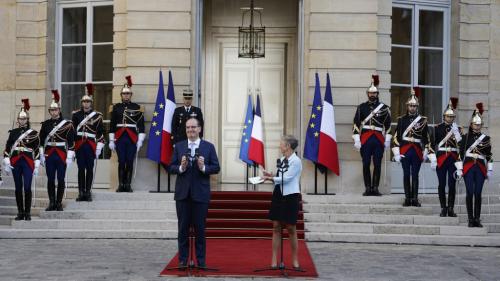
<point x="155" y="133"/>
<point x="311" y="146"/>
<point x="247" y="133"/>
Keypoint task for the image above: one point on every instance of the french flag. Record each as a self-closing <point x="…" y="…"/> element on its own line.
<point x="328" y="154"/>
<point x="256" y="150"/>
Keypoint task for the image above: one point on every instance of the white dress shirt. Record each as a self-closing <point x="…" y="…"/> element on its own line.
<point x="193" y="145"/>
<point x="291" y="178"/>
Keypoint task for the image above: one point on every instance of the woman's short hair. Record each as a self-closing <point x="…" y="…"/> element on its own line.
<point x="291" y="140"/>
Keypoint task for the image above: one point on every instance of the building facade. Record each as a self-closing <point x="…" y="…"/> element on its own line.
<point x="448" y="48"/>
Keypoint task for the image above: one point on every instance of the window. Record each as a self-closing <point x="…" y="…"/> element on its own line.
<point x="420" y="57"/>
<point x="85" y="54"/>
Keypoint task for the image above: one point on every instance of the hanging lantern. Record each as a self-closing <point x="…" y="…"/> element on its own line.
<point x="251" y="39"/>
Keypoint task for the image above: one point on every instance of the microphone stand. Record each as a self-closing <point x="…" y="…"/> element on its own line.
<point x="191" y="266"/>
<point x="282" y="167"/>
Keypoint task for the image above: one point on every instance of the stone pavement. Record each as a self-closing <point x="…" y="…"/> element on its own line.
<point x="136" y="259"/>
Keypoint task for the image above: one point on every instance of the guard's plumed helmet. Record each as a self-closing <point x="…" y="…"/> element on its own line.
<point x="24" y="109"/>
<point x="477" y="115"/>
<point x="90" y="92"/>
<point x="55" y="100"/>
<point x="414" y="95"/>
<point x="127" y="87"/>
<point x="373" y="87"/>
<point x="452" y="107"/>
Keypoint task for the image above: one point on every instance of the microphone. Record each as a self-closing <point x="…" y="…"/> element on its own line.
<point x="285" y="162"/>
<point x="278" y="163"/>
<point x="196" y="153"/>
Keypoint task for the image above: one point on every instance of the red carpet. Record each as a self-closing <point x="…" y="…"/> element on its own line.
<point x="243" y="214"/>
<point x="240" y="257"/>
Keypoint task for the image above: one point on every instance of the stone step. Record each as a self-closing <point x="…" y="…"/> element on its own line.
<point x="5" y="220"/>
<point x="38" y="202"/>
<point x="452" y="239"/>
<point x="99" y="195"/>
<point x="109" y="215"/>
<point x="122" y="205"/>
<point x="12" y="210"/>
<point x="380" y="219"/>
<point x="368" y="209"/>
<point x="486" y="218"/>
<point x="485" y="209"/>
<point x="397" y="199"/>
<point x="12" y="233"/>
<point x="96" y="224"/>
<point x="492" y="227"/>
<point x="393" y="229"/>
<point x="40" y="193"/>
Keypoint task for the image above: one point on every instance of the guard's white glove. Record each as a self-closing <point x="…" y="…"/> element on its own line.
<point x="397" y="156"/>
<point x="69" y="157"/>
<point x="98" y="150"/>
<point x="426" y="154"/>
<point x="42" y="156"/>
<point x="357" y="141"/>
<point x="489" y="174"/>
<point x="460" y="166"/>
<point x="456" y="132"/>
<point x="37" y="166"/>
<point x="387" y="143"/>
<point x="140" y="140"/>
<point x="433" y="159"/>
<point x="6" y="166"/>
<point x="111" y="144"/>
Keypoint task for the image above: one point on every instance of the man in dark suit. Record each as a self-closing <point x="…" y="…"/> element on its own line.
<point x="194" y="160"/>
<point x="182" y="114"/>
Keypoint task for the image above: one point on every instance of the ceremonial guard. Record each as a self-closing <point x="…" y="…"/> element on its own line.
<point x="21" y="158"/>
<point x="56" y="151"/>
<point x="182" y="114"/>
<point x="477" y="165"/>
<point x="89" y="141"/>
<point x="126" y="135"/>
<point x="447" y="137"/>
<point x="411" y="146"/>
<point x="372" y="134"/>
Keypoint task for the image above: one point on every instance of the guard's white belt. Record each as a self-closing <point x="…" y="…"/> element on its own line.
<point x="127" y="125"/>
<point x="474" y="155"/>
<point x="448" y="149"/>
<point x="85" y="134"/>
<point x="25" y="149"/>
<point x="411" y="139"/>
<point x="52" y="143"/>
<point x="375" y="128"/>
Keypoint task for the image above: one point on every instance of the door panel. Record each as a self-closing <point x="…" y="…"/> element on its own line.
<point x="265" y="77"/>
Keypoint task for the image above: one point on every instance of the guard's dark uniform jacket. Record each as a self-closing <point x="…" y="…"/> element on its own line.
<point x="62" y="140"/>
<point x="91" y="132"/>
<point x="27" y="148"/>
<point x="127" y="118"/>
<point x="417" y="137"/>
<point x="375" y="126"/>
<point x="445" y="149"/>
<point x="181" y="115"/>
<point x="479" y="156"/>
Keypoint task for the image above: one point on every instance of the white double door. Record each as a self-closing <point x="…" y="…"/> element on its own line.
<point x="239" y="78"/>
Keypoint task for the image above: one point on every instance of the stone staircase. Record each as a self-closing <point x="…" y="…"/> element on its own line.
<point x="339" y="218"/>
<point x="354" y="218"/>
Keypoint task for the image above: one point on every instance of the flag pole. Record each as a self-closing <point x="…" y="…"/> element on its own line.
<point x="158" y="179"/>
<point x="326" y="181"/>
<point x="315" y="178"/>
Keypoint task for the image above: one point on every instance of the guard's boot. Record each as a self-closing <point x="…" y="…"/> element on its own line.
<point x="81" y="185"/>
<point x="477" y="211"/>
<point x="129" y="175"/>
<point x="368" y="181"/>
<point x="60" y="195"/>
<point x="468" y="204"/>
<point x="414" y="187"/>
<point x="52" y="196"/>
<point x="88" y="185"/>
<point x="20" y="206"/>
<point x="376" y="181"/>
<point x="121" y="177"/>
<point x="406" y="185"/>
<point x="442" y="201"/>
<point x="451" y="202"/>
<point x="27" y="205"/>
